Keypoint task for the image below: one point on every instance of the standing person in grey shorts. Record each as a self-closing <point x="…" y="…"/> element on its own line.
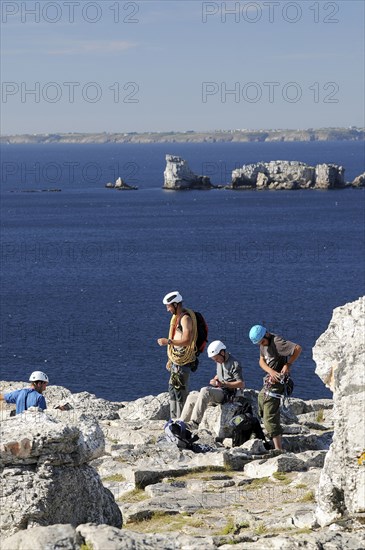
<point x="181" y="350"/>
<point x="276" y="358"/>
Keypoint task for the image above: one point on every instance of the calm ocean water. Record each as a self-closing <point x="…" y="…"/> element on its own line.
<point x="85" y="269"/>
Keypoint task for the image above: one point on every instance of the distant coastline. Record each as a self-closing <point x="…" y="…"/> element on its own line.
<point x="217" y="136"/>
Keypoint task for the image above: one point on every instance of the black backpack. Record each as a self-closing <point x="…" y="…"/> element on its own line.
<point x="245" y="424"/>
<point x="202" y="329"/>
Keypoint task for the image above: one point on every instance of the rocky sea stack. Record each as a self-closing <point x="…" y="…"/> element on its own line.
<point x="178" y="176"/>
<point x="121" y="185"/>
<point x="68" y="477"/>
<point x="273" y="175"/>
<point x="284" y="174"/>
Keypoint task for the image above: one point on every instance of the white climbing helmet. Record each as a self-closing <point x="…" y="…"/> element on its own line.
<point x="215" y="348"/>
<point x="38" y="376"/>
<point x="172" y="298"/>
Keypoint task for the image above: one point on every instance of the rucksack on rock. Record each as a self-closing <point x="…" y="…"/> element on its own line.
<point x="245" y="424"/>
<point x="177" y="432"/>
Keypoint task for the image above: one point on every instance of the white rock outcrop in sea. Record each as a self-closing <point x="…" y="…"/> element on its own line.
<point x="121" y="185"/>
<point x="178" y="176"/>
<point x="45" y="474"/>
<point x="283" y="174"/>
<point x="329" y="176"/>
<point x="359" y="181"/>
<point x="339" y="354"/>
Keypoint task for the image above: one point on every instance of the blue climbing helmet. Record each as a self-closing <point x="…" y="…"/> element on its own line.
<point x="257" y="333"/>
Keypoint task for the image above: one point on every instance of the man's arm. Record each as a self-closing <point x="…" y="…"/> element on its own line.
<point x="187" y="334"/>
<point x="42" y="403"/>
<point x="235" y="384"/>
<point x="269" y="370"/>
<point x="10" y="397"/>
<point x="292" y="358"/>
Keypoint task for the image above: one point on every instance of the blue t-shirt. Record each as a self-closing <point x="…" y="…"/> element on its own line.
<point x="25" y="398"/>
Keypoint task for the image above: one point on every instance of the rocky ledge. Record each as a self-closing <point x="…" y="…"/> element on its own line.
<point x="61" y="468"/>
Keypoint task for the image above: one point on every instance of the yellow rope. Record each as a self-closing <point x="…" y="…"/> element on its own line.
<point x="187" y="353"/>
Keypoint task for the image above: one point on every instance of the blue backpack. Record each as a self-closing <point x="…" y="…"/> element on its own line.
<point x="177" y="432"/>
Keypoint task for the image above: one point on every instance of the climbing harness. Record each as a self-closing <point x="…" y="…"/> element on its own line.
<point x="286" y="381"/>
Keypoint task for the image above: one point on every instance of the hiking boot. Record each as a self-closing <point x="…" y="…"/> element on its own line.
<point x="276" y="452"/>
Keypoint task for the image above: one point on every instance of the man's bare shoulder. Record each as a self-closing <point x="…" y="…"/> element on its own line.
<point x="185" y="319"/>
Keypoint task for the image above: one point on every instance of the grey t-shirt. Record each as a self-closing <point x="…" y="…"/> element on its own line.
<point x="277" y="352"/>
<point x="230" y="371"/>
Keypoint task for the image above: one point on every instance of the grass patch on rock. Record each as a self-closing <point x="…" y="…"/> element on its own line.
<point x="136" y="495"/>
<point x="114" y="477"/>
<point x="160" y="522"/>
<point x="261" y="529"/>
<point x="308" y="497"/>
<point x="282" y="477"/>
<point x="257" y="482"/>
<point x="204" y="473"/>
<point x="229" y="528"/>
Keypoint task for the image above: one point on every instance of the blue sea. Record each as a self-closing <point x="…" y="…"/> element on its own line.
<point x="84" y="269"/>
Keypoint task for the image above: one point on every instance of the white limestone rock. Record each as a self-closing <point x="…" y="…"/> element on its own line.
<point x="178" y="176"/>
<point x="151" y="407"/>
<point x="284" y="174"/>
<point x="359" y="181"/>
<point x="283" y="463"/>
<point x="278" y="174"/>
<point x="55" y="536"/>
<point x="329" y="176"/>
<point x="45" y="474"/>
<point x="339" y="354"/>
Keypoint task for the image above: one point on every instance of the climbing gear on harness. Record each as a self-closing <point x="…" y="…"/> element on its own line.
<point x="177" y="380"/>
<point x="172" y="298"/>
<point x="215" y="348"/>
<point x="288" y="387"/>
<point x="257" y="333"/>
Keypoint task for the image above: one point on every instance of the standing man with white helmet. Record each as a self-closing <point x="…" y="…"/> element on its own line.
<point x="29" y="397"/>
<point x="223" y="386"/>
<point x="181" y="350"/>
<point x="276" y="358"/>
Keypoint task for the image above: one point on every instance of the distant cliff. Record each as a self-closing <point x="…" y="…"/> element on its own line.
<point x="234" y="136"/>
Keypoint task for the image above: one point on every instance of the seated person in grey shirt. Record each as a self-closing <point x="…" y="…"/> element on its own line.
<point x="225" y="384"/>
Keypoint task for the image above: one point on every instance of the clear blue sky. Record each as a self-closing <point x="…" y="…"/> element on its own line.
<point x="150" y="65"/>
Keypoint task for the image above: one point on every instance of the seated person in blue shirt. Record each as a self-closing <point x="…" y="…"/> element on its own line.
<point x="29" y="397"/>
